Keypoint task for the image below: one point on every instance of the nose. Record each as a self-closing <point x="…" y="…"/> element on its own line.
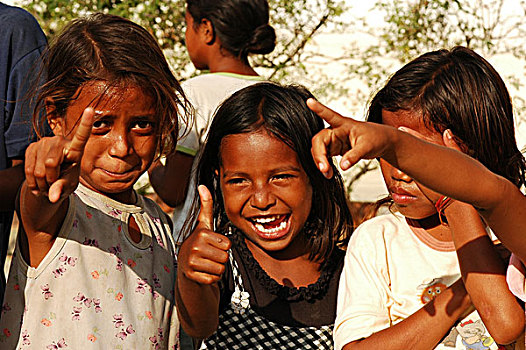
<point x="120" y="145"/>
<point x="262" y="198"/>
<point x="399" y="175"/>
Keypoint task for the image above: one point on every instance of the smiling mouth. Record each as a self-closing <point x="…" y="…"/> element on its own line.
<point x="271" y="227"/>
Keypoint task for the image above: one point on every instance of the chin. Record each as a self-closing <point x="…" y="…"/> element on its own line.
<point x="274" y="246"/>
<point x="415" y="214"/>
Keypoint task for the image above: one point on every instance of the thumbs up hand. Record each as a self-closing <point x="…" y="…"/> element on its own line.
<point x="52" y="165"/>
<point x="204" y="253"/>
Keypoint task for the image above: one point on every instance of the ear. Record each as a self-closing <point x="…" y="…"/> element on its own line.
<point x="55" y="121"/>
<point x="207" y="30"/>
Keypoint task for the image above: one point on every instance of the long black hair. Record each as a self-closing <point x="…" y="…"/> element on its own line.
<point x="459" y="90"/>
<point x="282" y="112"/>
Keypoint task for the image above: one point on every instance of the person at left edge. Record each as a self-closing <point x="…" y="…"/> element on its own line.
<point x="21" y="45"/>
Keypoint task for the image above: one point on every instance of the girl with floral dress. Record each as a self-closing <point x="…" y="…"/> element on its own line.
<point x="94" y="261"/>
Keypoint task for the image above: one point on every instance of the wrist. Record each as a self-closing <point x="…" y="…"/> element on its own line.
<point x="457" y="208"/>
<point x="441" y="205"/>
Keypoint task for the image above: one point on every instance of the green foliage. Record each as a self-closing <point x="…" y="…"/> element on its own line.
<point x="417" y="26"/>
<point x="164" y="19"/>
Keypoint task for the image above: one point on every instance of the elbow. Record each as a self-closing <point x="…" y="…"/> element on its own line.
<point x="168" y="200"/>
<point x="170" y="197"/>
<point x="508" y="335"/>
<point x="505" y="328"/>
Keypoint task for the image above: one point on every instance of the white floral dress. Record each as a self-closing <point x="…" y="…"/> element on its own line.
<point x="96" y="288"/>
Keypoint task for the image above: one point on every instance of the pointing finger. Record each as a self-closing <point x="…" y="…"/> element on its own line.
<point x="76" y="147"/>
<point x="206" y="215"/>
<point x="334" y="119"/>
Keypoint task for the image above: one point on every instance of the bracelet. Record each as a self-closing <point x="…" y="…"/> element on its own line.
<point x="442" y="203"/>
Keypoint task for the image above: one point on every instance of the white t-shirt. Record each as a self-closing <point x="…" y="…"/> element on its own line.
<point x="96" y="288"/>
<point x="206" y="93"/>
<point x="391" y="270"/>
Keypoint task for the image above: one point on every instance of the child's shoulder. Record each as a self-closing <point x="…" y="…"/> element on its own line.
<point x="203" y="81"/>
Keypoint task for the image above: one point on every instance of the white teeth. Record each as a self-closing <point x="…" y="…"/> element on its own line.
<point x="266" y="220"/>
<point x="262" y="228"/>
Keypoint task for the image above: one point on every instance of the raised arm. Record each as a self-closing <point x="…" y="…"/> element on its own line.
<point x="201" y="263"/>
<point x="444" y="170"/>
<point x="52" y="171"/>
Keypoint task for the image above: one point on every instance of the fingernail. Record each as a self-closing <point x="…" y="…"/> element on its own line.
<point x="345" y="164"/>
<point x="402" y="128"/>
<point x="449" y="134"/>
<point x="321" y="166"/>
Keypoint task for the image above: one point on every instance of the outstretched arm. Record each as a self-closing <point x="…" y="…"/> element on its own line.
<point x="444" y="170"/>
<point x="52" y="171"/>
<point x="484" y="274"/>
<point x="201" y="263"/>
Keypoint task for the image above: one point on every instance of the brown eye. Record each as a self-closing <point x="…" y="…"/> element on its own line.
<point x="143" y="124"/>
<point x="235" y="181"/>
<point x="282" y="177"/>
<point x="100" y="125"/>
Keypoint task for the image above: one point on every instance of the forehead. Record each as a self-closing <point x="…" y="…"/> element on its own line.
<point x="123" y="101"/>
<point x="99" y="93"/>
<point x="412" y="120"/>
<point x="256" y="149"/>
<point x="126" y="99"/>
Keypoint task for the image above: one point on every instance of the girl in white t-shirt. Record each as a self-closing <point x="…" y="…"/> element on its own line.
<point x="398" y="289"/>
<point x="94" y="262"/>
